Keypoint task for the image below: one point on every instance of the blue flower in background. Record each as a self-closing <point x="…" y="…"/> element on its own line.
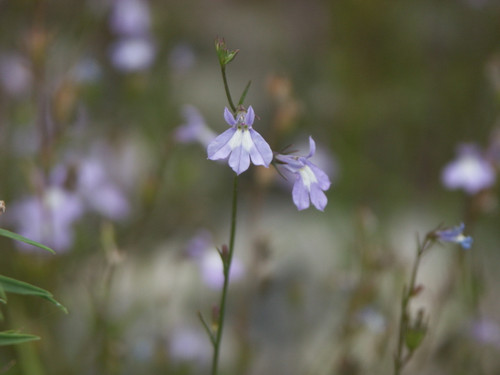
<point x="455" y="235"/>
<point x="241" y="143"/>
<point x="310" y="181"/>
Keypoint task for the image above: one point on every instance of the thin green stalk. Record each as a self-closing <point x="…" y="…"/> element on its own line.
<point x="226" y="260"/>
<point x="226" y="88"/>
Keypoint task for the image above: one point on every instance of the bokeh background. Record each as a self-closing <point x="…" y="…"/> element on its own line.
<point x="92" y="94"/>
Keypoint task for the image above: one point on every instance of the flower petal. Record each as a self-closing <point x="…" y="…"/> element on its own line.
<point x="239" y="160"/>
<point x="300" y="194"/>
<point x="250" y="116"/>
<point x="312" y="147"/>
<point x="322" y="177"/>
<point x="221" y="146"/>
<point x="260" y="152"/>
<point x="228" y="116"/>
<point x="318" y="198"/>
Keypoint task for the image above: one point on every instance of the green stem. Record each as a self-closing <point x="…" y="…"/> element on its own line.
<point x="400" y="360"/>
<point x="226" y="260"/>
<point x="226" y="88"/>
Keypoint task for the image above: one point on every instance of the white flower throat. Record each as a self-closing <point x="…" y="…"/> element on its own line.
<point x="308" y="176"/>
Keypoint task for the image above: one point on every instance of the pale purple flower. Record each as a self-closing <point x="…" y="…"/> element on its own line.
<point x="310" y="181"/>
<point x="470" y="171"/>
<point x="455" y="235"/>
<point x="194" y="129"/>
<point x="48" y="219"/>
<point x="240" y="143"/>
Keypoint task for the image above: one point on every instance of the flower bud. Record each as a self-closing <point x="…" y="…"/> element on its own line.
<point x="225" y="55"/>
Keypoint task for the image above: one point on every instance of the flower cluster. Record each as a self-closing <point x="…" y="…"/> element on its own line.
<point x="241" y="144"/>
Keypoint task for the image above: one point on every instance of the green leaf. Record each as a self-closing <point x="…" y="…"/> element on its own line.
<point x="3" y="296"/>
<point x="17" y="237"/>
<point x="244" y="94"/>
<point x="10" y="285"/>
<point x="12" y="338"/>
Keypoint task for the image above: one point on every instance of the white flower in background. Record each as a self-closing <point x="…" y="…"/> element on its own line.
<point x="189" y="345"/>
<point x="132" y="54"/>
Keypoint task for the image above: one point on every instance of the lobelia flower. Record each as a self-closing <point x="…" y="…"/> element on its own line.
<point x="241" y="143"/>
<point x="310" y="181"/>
<point x="470" y="171"/>
<point x="455" y="235"/>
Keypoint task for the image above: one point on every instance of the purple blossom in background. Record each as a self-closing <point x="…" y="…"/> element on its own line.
<point x="455" y="235"/>
<point x="486" y="331"/>
<point x="15" y="74"/>
<point x="194" y="129"/>
<point x="241" y="143"/>
<point x="310" y="181"/>
<point x="130" y="17"/>
<point x="134" y="50"/>
<point x="470" y="171"/>
<point x="48" y="219"/>
<point x="201" y="249"/>
<point x="211" y="269"/>
<point x="99" y="192"/>
<point x="199" y="244"/>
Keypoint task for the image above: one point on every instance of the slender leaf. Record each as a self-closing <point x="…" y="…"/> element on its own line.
<point x="12" y="338"/>
<point x="244" y="94"/>
<point x="3" y="296"/>
<point x="10" y="285"/>
<point x="17" y="237"/>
